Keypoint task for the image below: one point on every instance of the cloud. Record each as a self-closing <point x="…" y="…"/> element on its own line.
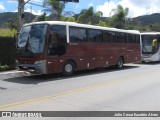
<point x="14" y="1"/>
<point x="11" y="1"/>
<point x="34" y="0"/>
<point x="106" y="8"/>
<point x="136" y="7"/>
<point x="1" y="7"/>
<point x="90" y="4"/>
<point x="35" y="12"/>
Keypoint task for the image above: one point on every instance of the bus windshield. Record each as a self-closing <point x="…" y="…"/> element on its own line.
<point x="147" y="44"/>
<point x="32" y="38"/>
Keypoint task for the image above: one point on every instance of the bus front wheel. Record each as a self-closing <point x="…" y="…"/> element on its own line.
<point x="69" y="68"/>
<point x="120" y="63"/>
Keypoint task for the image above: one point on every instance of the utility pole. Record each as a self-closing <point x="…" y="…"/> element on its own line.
<point x="21" y="4"/>
<point x="20" y="13"/>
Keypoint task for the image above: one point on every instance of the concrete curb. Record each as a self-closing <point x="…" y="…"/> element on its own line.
<point x="13" y="74"/>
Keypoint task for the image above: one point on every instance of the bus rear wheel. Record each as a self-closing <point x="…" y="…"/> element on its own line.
<point x="120" y="63"/>
<point x="69" y="68"/>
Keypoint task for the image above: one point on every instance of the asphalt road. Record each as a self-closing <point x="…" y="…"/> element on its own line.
<point x="134" y="88"/>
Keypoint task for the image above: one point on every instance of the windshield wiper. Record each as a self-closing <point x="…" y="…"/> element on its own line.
<point x="28" y="51"/>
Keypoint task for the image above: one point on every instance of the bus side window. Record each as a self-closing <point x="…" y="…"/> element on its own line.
<point x="95" y="35"/>
<point x="57" y="40"/>
<point x="82" y="35"/>
<point x="77" y="34"/>
<point x="158" y="41"/>
<point x="125" y="38"/>
<point x="132" y="38"/>
<point x="121" y="37"/>
<point x="73" y="34"/>
<point x="110" y="37"/>
<point x="60" y="30"/>
<point x="119" y="40"/>
<point x="104" y="37"/>
<point x="138" y="39"/>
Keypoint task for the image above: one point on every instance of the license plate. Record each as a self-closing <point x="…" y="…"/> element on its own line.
<point x="25" y="67"/>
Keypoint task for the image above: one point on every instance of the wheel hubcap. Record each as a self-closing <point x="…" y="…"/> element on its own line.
<point x="68" y="68"/>
<point x="120" y="63"/>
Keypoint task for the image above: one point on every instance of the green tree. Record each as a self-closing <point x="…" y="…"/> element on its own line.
<point x="63" y="18"/>
<point x="55" y="7"/>
<point x="99" y="14"/>
<point x="71" y="19"/>
<point x="154" y="27"/>
<point x="119" y="17"/>
<point x="87" y="15"/>
<point x="89" y="23"/>
<point x="103" y="24"/>
<point x="12" y="23"/>
<point x="40" y="18"/>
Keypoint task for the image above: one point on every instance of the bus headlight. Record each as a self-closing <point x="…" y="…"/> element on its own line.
<point x="40" y="62"/>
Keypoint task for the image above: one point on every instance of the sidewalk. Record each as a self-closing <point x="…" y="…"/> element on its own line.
<point x="13" y="74"/>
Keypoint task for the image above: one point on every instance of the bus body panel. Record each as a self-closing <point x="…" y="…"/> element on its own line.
<point x="85" y="55"/>
<point x="92" y="56"/>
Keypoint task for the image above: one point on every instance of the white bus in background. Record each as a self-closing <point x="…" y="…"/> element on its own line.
<point x="150" y="46"/>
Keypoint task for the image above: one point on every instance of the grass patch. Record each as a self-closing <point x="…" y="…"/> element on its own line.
<point x="4" y="67"/>
<point x="7" y="32"/>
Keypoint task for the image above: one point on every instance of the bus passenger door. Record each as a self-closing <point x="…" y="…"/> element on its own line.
<point x="55" y="52"/>
<point x="56" y="48"/>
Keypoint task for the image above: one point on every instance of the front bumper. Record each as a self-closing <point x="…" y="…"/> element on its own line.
<point x="151" y="58"/>
<point x="39" y="68"/>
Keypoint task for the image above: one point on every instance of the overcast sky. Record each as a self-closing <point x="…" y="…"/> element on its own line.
<point x="136" y="7"/>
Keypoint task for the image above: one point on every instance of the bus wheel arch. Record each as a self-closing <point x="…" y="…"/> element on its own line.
<point x="120" y="62"/>
<point x="69" y="67"/>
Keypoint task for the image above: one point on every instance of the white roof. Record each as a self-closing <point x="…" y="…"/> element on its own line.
<point x="150" y="33"/>
<point x="84" y="25"/>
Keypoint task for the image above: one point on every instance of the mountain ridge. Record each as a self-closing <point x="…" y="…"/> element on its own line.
<point x="29" y="17"/>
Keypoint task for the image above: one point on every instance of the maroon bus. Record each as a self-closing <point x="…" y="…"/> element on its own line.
<point x="64" y="47"/>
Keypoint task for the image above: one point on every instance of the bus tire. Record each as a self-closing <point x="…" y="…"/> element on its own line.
<point x="120" y="63"/>
<point x="143" y="62"/>
<point x="69" y="68"/>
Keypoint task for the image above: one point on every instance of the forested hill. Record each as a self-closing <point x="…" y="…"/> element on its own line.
<point x="141" y="20"/>
<point x="5" y="17"/>
<point x="148" y="19"/>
